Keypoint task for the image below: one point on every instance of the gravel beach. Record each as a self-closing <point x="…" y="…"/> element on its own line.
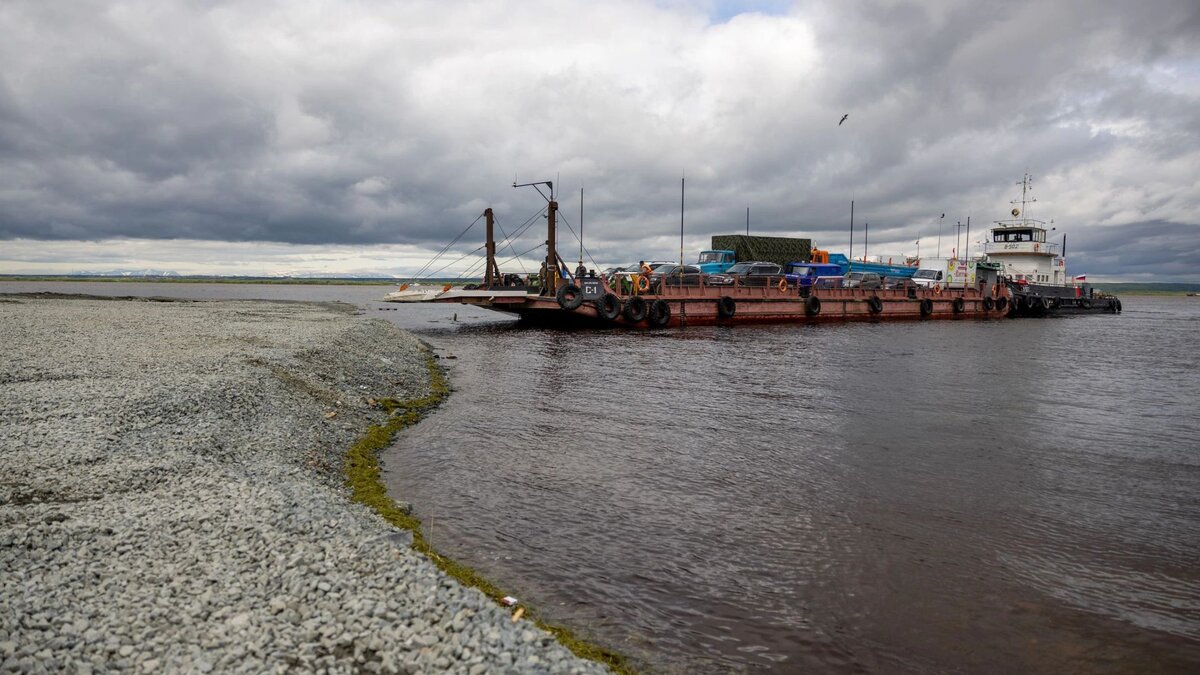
<point x="171" y="498"/>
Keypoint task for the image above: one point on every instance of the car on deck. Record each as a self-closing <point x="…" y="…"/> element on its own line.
<point x="678" y="275"/>
<point x="863" y="280"/>
<point x="752" y="273"/>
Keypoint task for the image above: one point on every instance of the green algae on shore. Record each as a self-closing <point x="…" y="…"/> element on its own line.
<point x="364" y="477"/>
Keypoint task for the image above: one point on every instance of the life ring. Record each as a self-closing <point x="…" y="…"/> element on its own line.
<point x="1001" y="303"/>
<point x="726" y="307"/>
<point x="959" y="305"/>
<point x="875" y="304"/>
<point x="989" y="304"/>
<point x="782" y="286"/>
<point x="937" y="290"/>
<point x="926" y="307"/>
<point x="608" y="307"/>
<point x="643" y="283"/>
<point x="812" y="306"/>
<point x="635" y="309"/>
<point x="660" y="313"/>
<point x="569" y="297"/>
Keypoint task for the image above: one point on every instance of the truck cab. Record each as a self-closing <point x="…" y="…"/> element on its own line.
<point x="715" y="261"/>
<point x="808" y="273"/>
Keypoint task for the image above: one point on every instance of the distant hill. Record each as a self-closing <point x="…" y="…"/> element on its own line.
<point x="127" y="273"/>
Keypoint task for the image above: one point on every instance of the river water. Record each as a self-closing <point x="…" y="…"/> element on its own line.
<point x="976" y="496"/>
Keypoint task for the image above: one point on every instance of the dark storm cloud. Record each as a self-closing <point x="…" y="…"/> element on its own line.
<point x="371" y="123"/>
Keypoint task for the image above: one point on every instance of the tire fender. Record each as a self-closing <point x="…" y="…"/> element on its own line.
<point x="569" y="297"/>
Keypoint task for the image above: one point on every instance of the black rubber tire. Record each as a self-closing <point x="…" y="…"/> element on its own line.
<point x="989" y="304"/>
<point x="875" y="304"/>
<point x="569" y="297"/>
<point x="726" y="307"/>
<point x="926" y="307"/>
<point x="959" y="305"/>
<point x="1085" y="303"/>
<point x="660" y="313"/>
<point x="1118" y="306"/>
<point x="1044" y="304"/>
<point x="812" y="306"/>
<point x="1112" y="306"/>
<point x="635" y="309"/>
<point x="1019" y="303"/>
<point x="1001" y="303"/>
<point x="609" y="307"/>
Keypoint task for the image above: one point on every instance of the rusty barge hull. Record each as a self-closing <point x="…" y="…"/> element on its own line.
<point x="691" y="306"/>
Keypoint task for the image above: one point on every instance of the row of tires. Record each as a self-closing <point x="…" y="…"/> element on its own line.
<point x="1042" y="304"/>
<point x="658" y="313"/>
<point x="609" y="306"/>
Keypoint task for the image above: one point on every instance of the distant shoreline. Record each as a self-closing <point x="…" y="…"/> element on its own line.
<point x="1121" y="288"/>
<point x="349" y="281"/>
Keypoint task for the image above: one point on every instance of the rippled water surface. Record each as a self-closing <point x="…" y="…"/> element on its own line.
<point x="1013" y="495"/>
<point x="1009" y="495"/>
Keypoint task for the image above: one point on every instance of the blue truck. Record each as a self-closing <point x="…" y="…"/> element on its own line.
<point x="882" y="269"/>
<point x="809" y="274"/>
<point x="716" y="261"/>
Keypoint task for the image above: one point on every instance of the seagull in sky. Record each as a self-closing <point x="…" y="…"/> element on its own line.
<point x="843" y="119"/>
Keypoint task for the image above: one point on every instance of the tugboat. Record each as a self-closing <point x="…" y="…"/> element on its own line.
<point x="1034" y="271"/>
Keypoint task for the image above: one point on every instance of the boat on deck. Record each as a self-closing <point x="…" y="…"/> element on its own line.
<point x="413" y="293"/>
<point x="1033" y="271"/>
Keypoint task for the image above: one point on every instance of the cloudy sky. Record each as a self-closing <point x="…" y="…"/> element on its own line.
<point x="362" y="137"/>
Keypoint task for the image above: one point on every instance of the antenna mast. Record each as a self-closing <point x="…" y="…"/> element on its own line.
<point x="1026" y="186"/>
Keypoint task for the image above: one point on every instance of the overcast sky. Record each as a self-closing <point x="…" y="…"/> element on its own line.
<point x="268" y="137"/>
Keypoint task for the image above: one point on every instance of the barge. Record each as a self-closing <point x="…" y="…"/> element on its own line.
<point x="1007" y="283"/>
<point x="710" y="305"/>
<point x="584" y="299"/>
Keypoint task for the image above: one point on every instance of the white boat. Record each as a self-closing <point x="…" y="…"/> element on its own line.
<point x="413" y="293"/>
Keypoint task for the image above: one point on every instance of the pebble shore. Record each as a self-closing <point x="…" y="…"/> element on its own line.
<point x="172" y="499"/>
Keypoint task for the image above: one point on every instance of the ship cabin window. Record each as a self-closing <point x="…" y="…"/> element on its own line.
<point x="1019" y="235"/>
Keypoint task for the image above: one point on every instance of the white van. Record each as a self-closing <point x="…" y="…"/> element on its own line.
<point x="945" y="272"/>
<point x="929" y="276"/>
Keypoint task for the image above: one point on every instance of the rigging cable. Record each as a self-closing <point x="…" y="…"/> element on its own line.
<point x="572" y="230"/>
<point x="509" y="239"/>
<point x="434" y="259"/>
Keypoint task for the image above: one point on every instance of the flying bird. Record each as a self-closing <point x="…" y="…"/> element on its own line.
<point x="843" y="119"/>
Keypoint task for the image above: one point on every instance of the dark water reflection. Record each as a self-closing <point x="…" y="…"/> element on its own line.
<point x="1005" y="496"/>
